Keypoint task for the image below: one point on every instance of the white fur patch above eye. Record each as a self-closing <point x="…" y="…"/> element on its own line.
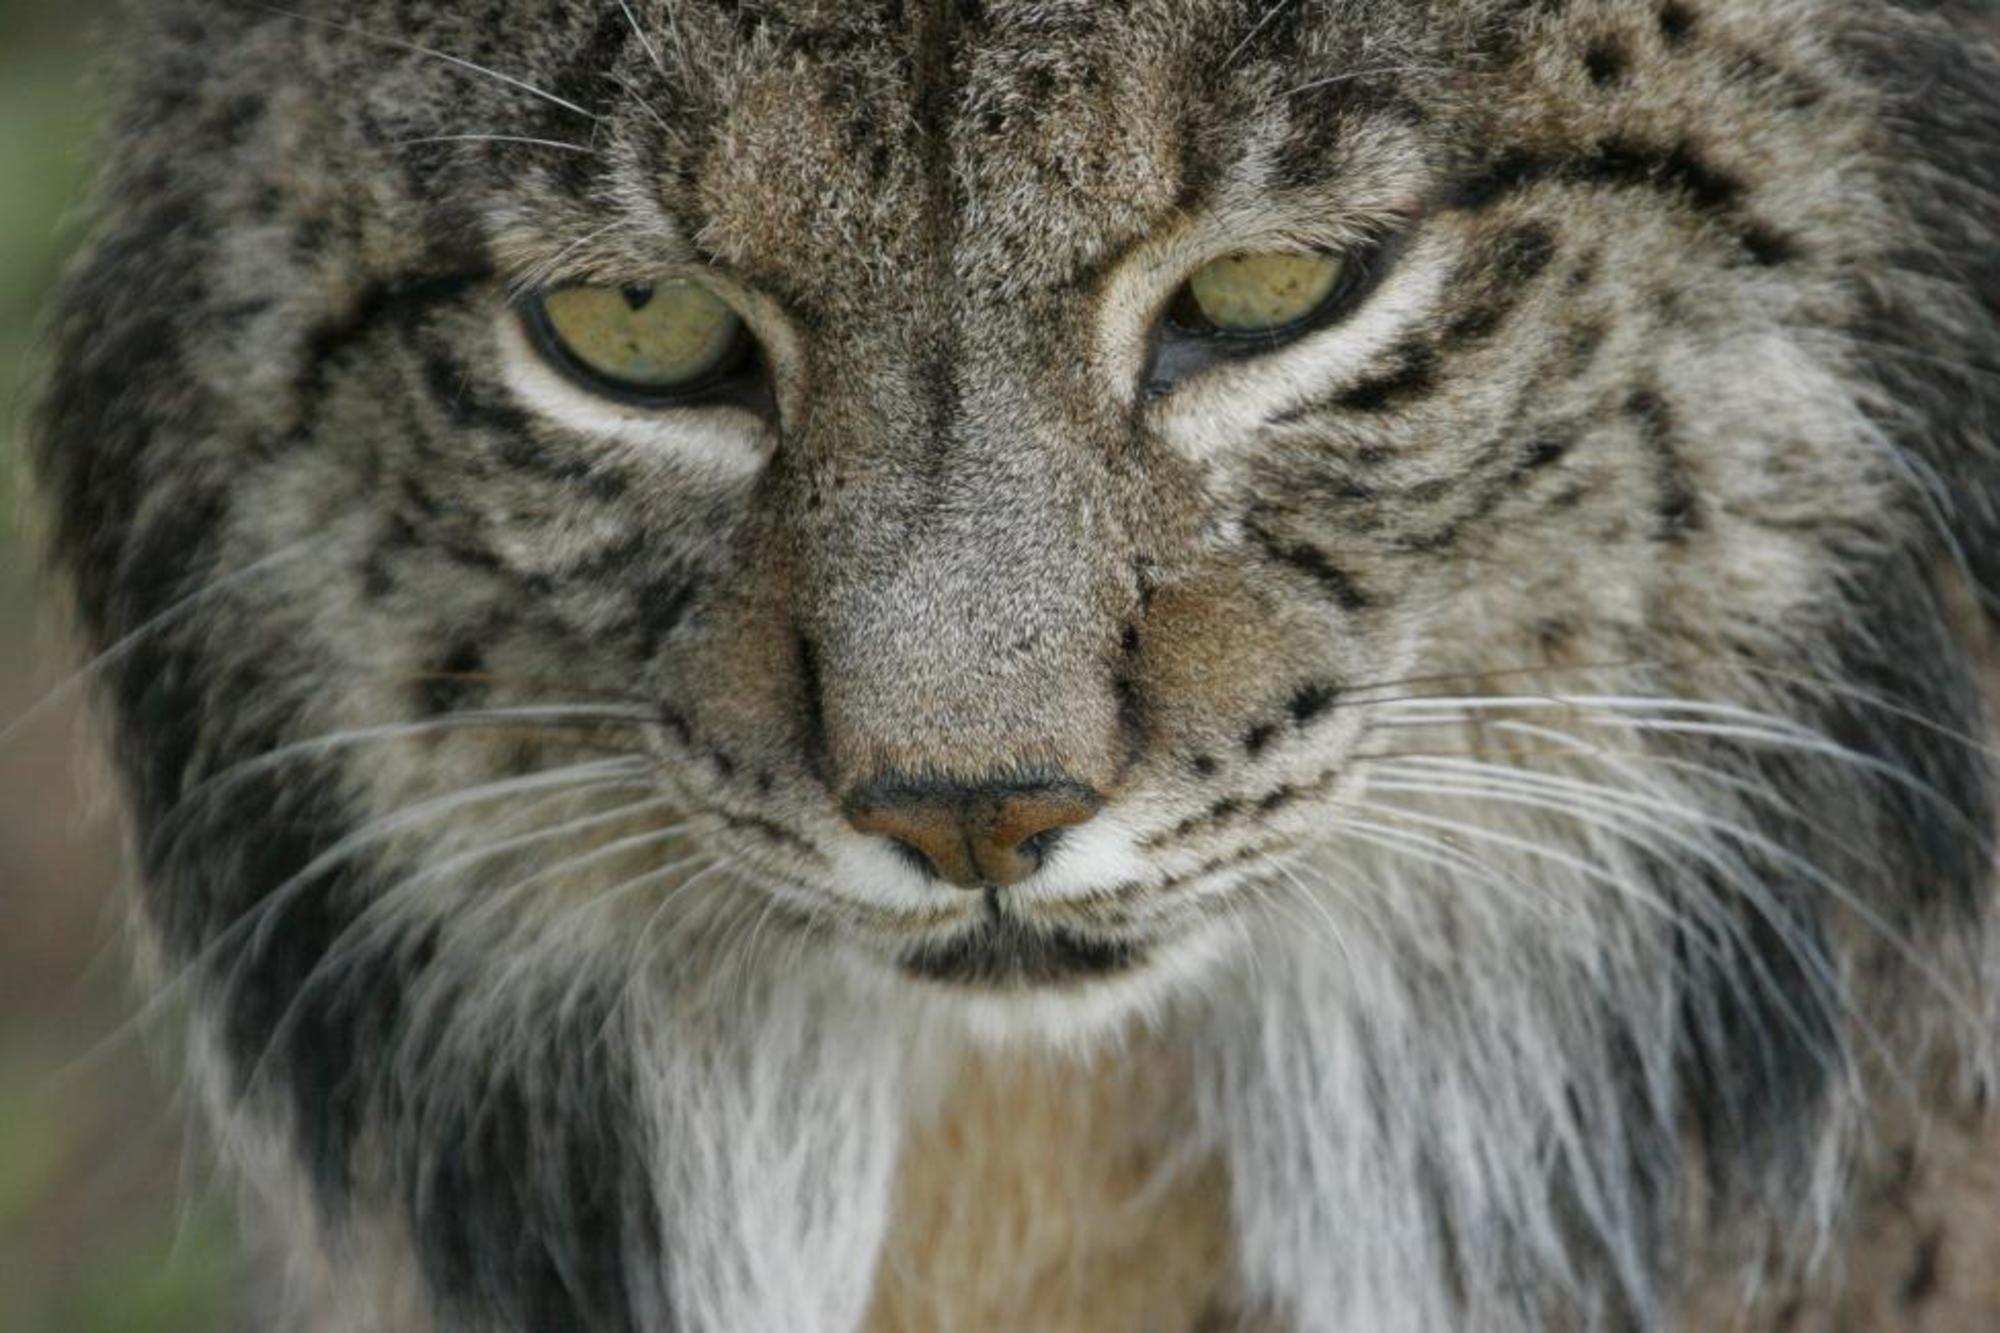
<point x="1226" y="404"/>
<point x="721" y="443"/>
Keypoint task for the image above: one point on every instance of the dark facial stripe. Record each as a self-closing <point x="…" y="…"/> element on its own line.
<point x="1677" y="170"/>
<point x="1314" y="563"/>
<point x="1678" y="507"/>
<point x="393" y="300"/>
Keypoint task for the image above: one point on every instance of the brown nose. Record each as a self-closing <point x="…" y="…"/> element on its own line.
<point x="973" y="836"/>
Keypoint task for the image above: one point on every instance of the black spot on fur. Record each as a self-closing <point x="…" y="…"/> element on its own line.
<point x="1553" y="634"/>
<point x="449" y="686"/>
<point x="676" y="724"/>
<point x="1133" y="725"/>
<point x="312" y="1027"/>
<point x="1581" y="346"/>
<point x="1679" y="167"/>
<point x="1913" y="696"/>
<point x="1676" y="23"/>
<point x="1475" y="323"/>
<point x="1921" y="1283"/>
<point x="1605" y="61"/>
<point x="1258" y="738"/>
<point x="1522" y="253"/>
<point x="1759" y="1036"/>
<point x="1412" y="376"/>
<point x="1512" y="261"/>
<point x="663" y="604"/>
<point x="812" y="710"/>
<point x="1547" y="447"/>
<point x="1504" y="175"/>
<point x="1309" y="701"/>
<point x="1205" y="765"/>
<point x="1767" y="247"/>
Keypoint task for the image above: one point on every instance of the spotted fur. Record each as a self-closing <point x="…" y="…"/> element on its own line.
<point x="1544" y="872"/>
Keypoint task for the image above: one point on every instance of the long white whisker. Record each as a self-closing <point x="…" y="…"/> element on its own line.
<point x="190" y="970"/>
<point x="645" y="42"/>
<point x="456" y="61"/>
<point x="172" y="826"/>
<point x="525" y="139"/>
<point x="1618" y="813"/>
<point x="130" y="640"/>
<point x="379" y="919"/>
<point x="1749" y="725"/>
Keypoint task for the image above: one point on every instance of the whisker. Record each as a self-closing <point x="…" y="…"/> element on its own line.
<point x="496" y="680"/>
<point x="547" y="271"/>
<point x="458" y="62"/>
<point x="1655" y="905"/>
<point x="1440" y="853"/>
<point x="1857" y="694"/>
<point x="1617" y="812"/>
<point x="173" y="825"/>
<point x="1348" y="691"/>
<point x="130" y="640"/>
<point x="1351" y="75"/>
<point x="379" y="918"/>
<point x="645" y="42"/>
<point x="1743" y="880"/>
<point x="1738" y="723"/>
<point x="576" y="779"/>
<point x="1277" y="7"/>
<point x="645" y="104"/>
<point x="524" y="139"/>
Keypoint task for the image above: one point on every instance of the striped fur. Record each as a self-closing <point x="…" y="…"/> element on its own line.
<point x="1546" y="872"/>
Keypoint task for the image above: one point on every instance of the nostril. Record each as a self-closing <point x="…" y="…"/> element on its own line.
<point x="1037" y="846"/>
<point x="921" y="828"/>
<point x="974" y="837"/>
<point x="915" y="857"/>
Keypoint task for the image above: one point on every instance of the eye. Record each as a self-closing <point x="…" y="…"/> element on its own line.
<point x="1245" y="305"/>
<point x="662" y="344"/>
<point x="1249" y="295"/>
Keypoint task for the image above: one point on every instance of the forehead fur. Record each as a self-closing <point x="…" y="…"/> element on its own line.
<point x="823" y="148"/>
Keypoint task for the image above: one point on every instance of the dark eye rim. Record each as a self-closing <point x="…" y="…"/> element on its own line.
<point x="1183" y="343"/>
<point x="740" y="379"/>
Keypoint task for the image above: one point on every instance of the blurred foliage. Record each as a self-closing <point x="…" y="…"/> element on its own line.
<point x="108" y="1223"/>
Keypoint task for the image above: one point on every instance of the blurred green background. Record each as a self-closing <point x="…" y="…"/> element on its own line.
<point x="112" y="1219"/>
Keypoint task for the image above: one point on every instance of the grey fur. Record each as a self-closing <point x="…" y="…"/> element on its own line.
<point x="1542" y="715"/>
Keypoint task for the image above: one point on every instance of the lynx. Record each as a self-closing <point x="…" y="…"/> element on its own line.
<point x="1300" y="665"/>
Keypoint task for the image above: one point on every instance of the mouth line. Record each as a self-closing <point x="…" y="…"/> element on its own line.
<point x="1003" y="952"/>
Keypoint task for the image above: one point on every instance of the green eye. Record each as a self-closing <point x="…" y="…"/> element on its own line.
<point x="659" y="344"/>
<point x="1257" y="293"/>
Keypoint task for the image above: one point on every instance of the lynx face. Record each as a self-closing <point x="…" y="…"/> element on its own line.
<point x="1027" y="503"/>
